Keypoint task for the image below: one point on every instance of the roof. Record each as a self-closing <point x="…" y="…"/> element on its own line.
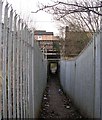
<point x="42" y="32"/>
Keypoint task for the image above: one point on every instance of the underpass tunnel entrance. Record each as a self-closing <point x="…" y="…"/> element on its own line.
<point x="53" y="68"/>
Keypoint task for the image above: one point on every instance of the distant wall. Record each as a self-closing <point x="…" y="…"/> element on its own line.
<point x="80" y="79"/>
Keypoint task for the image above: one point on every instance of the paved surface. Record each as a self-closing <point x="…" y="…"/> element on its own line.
<point x="55" y="104"/>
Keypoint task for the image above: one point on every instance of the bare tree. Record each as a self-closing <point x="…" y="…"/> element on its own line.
<point x="85" y="15"/>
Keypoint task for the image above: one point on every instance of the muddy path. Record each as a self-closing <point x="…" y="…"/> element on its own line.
<point x="56" y="104"/>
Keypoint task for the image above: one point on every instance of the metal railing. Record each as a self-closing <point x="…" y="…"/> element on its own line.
<point x="18" y="56"/>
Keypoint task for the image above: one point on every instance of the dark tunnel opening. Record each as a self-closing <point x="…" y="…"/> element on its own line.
<point x="53" y="68"/>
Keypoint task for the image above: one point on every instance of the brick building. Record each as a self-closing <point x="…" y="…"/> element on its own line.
<point x="47" y="41"/>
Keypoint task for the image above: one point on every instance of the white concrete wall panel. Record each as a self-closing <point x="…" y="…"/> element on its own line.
<point x="84" y="84"/>
<point x="81" y="79"/>
<point x="72" y="79"/>
<point x="97" y="77"/>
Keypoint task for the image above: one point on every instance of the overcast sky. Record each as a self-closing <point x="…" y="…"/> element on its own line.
<point x="40" y="20"/>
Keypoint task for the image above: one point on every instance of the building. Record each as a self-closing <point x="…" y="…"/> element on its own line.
<point x="48" y="43"/>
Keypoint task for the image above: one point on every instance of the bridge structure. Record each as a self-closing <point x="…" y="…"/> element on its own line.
<point x="53" y="57"/>
<point x="49" y="53"/>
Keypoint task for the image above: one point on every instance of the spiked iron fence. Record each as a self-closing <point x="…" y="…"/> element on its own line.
<point x="21" y="67"/>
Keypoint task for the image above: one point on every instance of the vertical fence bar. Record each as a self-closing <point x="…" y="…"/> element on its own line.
<point x="29" y="79"/>
<point x="9" y="65"/>
<point x="21" y="71"/>
<point x="18" y="72"/>
<point x="26" y="77"/>
<point x="1" y="4"/>
<point x="27" y="84"/>
<point x="33" y="73"/>
<point x="14" y="67"/>
<point x="29" y="76"/>
<point x="5" y="62"/>
<point x="25" y="40"/>
<point x="101" y="62"/>
<point x="24" y="109"/>
<point x="30" y="42"/>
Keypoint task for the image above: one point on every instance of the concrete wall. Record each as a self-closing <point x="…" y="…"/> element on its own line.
<point x="80" y="79"/>
<point x="101" y="70"/>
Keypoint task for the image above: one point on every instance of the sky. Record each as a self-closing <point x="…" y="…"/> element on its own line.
<point x="40" y="20"/>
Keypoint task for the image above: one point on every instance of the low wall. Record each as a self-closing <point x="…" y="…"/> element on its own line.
<point x="80" y="79"/>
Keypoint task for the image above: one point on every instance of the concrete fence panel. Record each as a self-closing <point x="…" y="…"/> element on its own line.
<point x="72" y="78"/>
<point x="81" y="80"/>
<point x="84" y="82"/>
<point x="97" y="76"/>
<point x="62" y="73"/>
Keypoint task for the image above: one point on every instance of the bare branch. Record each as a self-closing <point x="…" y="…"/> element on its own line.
<point x="80" y="8"/>
<point x="45" y="7"/>
<point x="85" y="14"/>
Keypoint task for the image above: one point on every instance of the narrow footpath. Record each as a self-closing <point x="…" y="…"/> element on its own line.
<point x="56" y="104"/>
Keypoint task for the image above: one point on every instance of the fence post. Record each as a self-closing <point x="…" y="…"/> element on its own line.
<point x="101" y="63"/>
<point x="94" y="76"/>
<point x="33" y="73"/>
<point x="24" y="89"/>
<point x="5" y="62"/>
<point x="14" y="67"/>
<point x="28" y="75"/>
<point x="1" y="4"/>
<point x="30" y="66"/>
<point x="27" y="109"/>
<point x="101" y="72"/>
<point x="21" y="68"/>
<point x="18" y="73"/>
<point x="9" y="65"/>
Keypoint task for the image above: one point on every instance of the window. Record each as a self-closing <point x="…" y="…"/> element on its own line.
<point x="39" y="37"/>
